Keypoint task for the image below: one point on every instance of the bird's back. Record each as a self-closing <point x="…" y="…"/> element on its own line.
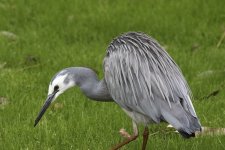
<point x="142" y="77"/>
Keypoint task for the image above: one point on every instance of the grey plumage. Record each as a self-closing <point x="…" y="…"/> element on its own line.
<point x="140" y="77"/>
<point x="143" y="78"/>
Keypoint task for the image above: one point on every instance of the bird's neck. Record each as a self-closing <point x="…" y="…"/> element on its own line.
<point x="96" y="91"/>
<point x="89" y="84"/>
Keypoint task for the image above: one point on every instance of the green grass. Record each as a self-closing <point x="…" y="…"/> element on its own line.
<point x="52" y="35"/>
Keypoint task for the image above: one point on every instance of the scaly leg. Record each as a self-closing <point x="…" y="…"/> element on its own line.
<point x="145" y="138"/>
<point x="126" y="135"/>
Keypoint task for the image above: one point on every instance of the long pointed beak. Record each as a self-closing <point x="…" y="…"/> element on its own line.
<point x="44" y="107"/>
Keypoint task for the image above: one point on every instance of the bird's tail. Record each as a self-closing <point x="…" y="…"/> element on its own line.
<point x="183" y="121"/>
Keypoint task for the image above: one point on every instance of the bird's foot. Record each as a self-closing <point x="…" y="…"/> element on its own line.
<point x="128" y="139"/>
<point x="124" y="133"/>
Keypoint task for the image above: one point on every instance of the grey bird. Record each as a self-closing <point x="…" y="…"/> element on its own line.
<point x="139" y="76"/>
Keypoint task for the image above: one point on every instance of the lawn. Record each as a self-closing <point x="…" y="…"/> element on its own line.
<point x="39" y="38"/>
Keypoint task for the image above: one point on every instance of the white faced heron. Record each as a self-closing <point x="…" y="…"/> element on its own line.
<point x="142" y="79"/>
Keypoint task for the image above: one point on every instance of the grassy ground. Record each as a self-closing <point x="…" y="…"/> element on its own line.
<point x="38" y="38"/>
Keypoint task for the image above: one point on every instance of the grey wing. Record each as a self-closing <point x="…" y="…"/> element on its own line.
<point x="141" y="76"/>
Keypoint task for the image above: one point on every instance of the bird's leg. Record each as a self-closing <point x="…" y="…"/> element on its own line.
<point x="128" y="137"/>
<point x="145" y="138"/>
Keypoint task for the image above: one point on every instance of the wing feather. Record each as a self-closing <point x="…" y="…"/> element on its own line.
<point x="137" y="70"/>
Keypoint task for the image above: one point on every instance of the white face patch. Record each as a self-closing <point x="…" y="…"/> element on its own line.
<point x="59" y="81"/>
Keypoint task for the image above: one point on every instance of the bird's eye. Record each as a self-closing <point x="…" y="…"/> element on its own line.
<point x="56" y="88"/>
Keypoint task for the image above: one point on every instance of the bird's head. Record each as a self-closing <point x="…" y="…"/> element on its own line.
<point x="59" y="84"/>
